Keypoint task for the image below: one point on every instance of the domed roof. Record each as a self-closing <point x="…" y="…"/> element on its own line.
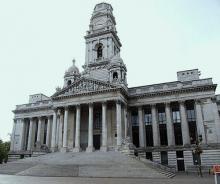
<point x="73" y="69"/>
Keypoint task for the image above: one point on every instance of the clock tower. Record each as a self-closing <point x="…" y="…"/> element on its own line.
<point x="103" y="61"/>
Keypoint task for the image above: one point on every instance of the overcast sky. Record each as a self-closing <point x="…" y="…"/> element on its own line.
<point x="39" y="39"/>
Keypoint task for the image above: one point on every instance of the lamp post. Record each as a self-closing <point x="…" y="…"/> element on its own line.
<point x="198" y="151"/>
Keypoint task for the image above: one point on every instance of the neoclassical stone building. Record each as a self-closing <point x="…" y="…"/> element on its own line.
<point x="96" y="110"/>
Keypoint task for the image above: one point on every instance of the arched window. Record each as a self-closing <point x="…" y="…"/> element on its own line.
<point x="69" y="82"/>
<point x="115" y="75"/>
<point x="99" y="51"/>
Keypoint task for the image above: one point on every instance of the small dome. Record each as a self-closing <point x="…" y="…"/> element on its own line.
<point x="73" y="69"/>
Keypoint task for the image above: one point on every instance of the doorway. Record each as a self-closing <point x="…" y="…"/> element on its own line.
<point x="96" y="141"/>
<point x="180" y="161"/>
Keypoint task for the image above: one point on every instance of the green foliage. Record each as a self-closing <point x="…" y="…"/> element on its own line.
<point x="4" y="149"/>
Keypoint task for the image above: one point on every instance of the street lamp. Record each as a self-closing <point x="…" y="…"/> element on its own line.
<point x="198" y="151"/>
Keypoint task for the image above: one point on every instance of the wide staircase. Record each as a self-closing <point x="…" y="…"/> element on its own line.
<point x="96" y="164"/>
<point x="131" y="151"/>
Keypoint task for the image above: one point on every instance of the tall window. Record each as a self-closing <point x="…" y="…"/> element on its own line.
<point x="99" y="51"/>
<point x="134" y="118"/>
<point x="162" y="117"/>
<point x="176" y="117"/>
<point x="98" y="120"/>
<point x="148" y="119"/>
<point x="191" y="115"/>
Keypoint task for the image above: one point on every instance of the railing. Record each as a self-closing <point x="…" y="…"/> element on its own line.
<point x="169" y="86"/>
<point x="44" y="103"/>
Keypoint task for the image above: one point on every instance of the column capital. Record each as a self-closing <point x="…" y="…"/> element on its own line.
<point x="78" y="105"/>
<point x="40" y="117"/>
<point x="31" y="118"/>
<point x="181" y="102"/>
<point x="59" y="112"/>
<point x="90" y="104"/>
<point x="198" y="101"/>
<point x="167" y="104"/>
<point x="213" y="99"/>
<point x="140" y="107"/>
<point x="66" y="107"/>
<point x="153" y="105"/>
<point x="118" y="101"/>
<point x="104" y="102"/>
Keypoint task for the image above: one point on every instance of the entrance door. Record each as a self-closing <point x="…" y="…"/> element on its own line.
<point x="96" y="142"/>
<point x="180" y="161"/>
<point x="180" y="164"/>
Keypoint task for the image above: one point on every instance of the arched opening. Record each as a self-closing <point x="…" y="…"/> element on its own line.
<point x="115" y="75"/>
<point x="99" y="51"/>
<point x="69" y="82"/>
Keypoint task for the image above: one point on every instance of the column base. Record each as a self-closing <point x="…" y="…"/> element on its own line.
<point x="118" y="148"/>
<point x="64" y="150"/>
<point x="77" y="149"/>
<point x="104" y="149"/>
<point x="90" y="149"/>
<point x="53" y="150"/>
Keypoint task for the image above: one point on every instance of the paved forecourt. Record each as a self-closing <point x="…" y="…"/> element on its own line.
<point x="9" y="179"/>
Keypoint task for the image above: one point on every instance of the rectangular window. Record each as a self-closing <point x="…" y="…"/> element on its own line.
<point x="147" y="119"/>
<point x="162" y="117"/>
<point x="176" y="117"/>
<point x="134" y="120"/>
<point x="98" y="121"/>
<point x="191" y="115"/>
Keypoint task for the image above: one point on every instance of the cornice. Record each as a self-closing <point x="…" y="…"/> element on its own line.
<point x="174" y="91"/>
<point x="122" y="90"/>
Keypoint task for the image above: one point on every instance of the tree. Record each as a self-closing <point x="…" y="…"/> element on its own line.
<point x="198" y="151"/>
<point x="4" y="149"/>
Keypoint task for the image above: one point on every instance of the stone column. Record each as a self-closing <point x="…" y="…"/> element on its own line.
<point x="65" y="128"/>
<point x="39" y="133"/>
<point x="13" y="136"/>
<point x="60" y="132"/>
<point x="90" y="147"/>
<point x="30" y="135"/>
<point x="199" y="121"/>
<point x="104" y="128"/>
<point x="156" y="135"/>
<point x="141" y="128"/>
<point x="77" y="138"/>
<point x="118" y="120"/>
<point x="48" y="131"/>
<point x="126" y="121"/>
<point x="22" y="136"/>
<point x="170" y="129"/>
<point x="184" y="124"/>
<point x="216" y="118"/>
<point x="54" y="127"/>
<point x="58" y="128"/>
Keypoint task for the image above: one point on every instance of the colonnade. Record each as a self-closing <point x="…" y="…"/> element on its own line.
<point x="169" y="123"/>
<point x="77" y="114"/>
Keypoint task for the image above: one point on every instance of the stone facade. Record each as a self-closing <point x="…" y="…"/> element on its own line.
<point x="95" y="109"/>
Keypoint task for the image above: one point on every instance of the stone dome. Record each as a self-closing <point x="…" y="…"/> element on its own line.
<point x="73" y="69"/>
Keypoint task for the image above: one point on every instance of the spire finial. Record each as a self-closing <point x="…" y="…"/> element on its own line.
<point x="74" y="61"/>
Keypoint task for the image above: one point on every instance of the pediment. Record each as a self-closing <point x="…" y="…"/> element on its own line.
<point x="83" y="86"/>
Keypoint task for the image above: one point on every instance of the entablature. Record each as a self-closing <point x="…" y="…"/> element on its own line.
<point x="172" y="87"/>
<point x="170" y="97"/>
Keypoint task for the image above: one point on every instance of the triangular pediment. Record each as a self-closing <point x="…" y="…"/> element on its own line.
<point x="83" y="86"/>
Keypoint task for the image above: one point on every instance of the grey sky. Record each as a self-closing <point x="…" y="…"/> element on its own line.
<point x="38" y="40"/>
